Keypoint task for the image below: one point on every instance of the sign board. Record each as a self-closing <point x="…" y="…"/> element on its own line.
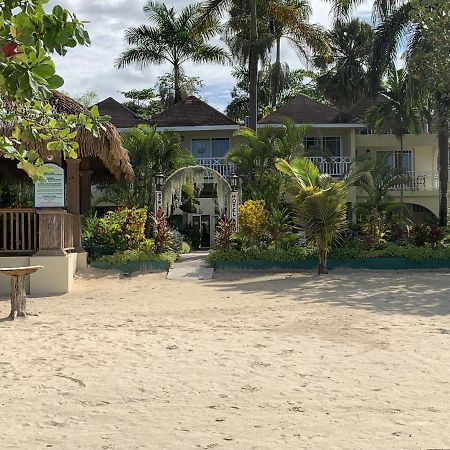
<point x="234" y="210"/>
<point x="50" y="192"/>
<point x="158" y="201"/>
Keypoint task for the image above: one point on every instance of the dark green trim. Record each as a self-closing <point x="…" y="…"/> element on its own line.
<point x="309" y="264"/>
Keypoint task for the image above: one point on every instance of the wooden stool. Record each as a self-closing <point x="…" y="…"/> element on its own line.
<point x="18" y="294"/>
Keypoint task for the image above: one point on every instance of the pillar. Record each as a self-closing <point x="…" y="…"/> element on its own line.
<point x="85" y="191"/>
<point x="73" y="186"/>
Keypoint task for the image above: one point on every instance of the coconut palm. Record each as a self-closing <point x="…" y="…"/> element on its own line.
<point x="289" y="20"/>
<point x="396" y="113"/>
<point x="319" y="202"/>
<point x="343" y="79"/>
<point x="171" y="38"/>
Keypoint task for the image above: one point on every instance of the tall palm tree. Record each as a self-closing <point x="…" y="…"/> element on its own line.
<point x="343" y="79"/>
<point x="396" y="113"/>
<point x="172" y="38"/>
<point x="289" y="19"/>
<point x="320" y="204"/>
<point x="399" y="27"/>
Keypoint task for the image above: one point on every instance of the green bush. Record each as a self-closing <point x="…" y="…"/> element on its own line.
<point x="135" y="256"/>
<point x="123" y="229"/>
<point x="353" y="250"/>
<point x="185" y="248"/>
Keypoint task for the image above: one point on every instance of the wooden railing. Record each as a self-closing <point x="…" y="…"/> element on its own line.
<point x="42" y="231"/>
<point x="18" y="231"/>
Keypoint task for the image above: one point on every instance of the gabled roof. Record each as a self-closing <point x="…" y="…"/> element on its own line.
<point x="305" y="110"/>
<point x="191" y="112"/>
<point x="121" y="116"/>
<point x="362" y="106"/>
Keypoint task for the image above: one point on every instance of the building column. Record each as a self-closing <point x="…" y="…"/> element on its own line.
<point x="85" y="191"/>
<point x="73" y="200"/>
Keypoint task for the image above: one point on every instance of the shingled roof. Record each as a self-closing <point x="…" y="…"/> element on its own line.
<point x="191" y="112"/>
<point x="362" y="106"/>
<point x="303" y="109"/>
<point x="121" y="116"/>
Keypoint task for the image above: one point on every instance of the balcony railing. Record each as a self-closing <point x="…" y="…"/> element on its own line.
<point x="336" y="166"/>
<point x="220" y="165"/>
<point x="419" y="181"/>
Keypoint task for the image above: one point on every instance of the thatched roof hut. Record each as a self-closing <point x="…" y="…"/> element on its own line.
<point x="104" y="155"/>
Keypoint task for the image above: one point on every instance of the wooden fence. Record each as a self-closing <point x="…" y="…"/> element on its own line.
<point x="18" y="231"/>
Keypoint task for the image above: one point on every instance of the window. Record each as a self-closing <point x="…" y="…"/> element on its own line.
<point x="395" y="158"/>
<point x="210" y="148"/>
<point x="331" y="144"/>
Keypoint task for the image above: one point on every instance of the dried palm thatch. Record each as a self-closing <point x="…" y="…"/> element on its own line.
<point x="107" y="146"/>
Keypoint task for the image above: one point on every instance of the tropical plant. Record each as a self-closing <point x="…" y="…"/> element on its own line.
<point x="225" y="226"/>
<point x="279" y="226"/>
<point x="252" y="220"/>
<point x="396" y="113"/>
<point x="255" y="159"/>
<point x="172" y="38"/>
<point x="344" y="71"/>
<point x="150" y="152"/>
<point x="380" y="177"/>
<point x="422" y="23"/>
<point x="319" y="202"/>
<point x="162" y="232"/>
<point x="29" y="35"/>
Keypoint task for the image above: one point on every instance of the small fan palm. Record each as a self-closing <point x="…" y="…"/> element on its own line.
<point x="173" y="38"/>
<point x="319" y="202"/>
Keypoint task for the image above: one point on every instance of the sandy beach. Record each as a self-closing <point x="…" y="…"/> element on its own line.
<point x="353" y="360"/>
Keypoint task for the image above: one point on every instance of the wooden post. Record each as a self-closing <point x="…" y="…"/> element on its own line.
<point x="85" y="190"/>
<point x="73" y="199"/>
<point x="51" y="232"/>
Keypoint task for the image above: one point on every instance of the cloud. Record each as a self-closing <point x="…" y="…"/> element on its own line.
<point x="92" y="68"/>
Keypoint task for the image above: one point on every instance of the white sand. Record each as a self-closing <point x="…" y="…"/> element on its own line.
<point x="355" y="360"/>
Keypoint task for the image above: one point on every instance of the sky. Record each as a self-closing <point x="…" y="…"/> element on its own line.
<point x="92" y="68"/>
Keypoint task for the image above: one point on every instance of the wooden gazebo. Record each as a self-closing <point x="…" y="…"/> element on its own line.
<point x="48" y="232"/>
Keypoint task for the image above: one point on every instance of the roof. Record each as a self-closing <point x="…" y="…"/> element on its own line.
<point x="107" y="146"/>
<point x="191" y="112"/>
<point x="121" y="116"/>
<point x="303" y="109"/>
<point x="362" y="106"/>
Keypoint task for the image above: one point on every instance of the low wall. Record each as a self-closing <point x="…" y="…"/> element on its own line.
<point x="311" y="264"/>
<point x="149" y="266"/>
<point x="56" y="277"/>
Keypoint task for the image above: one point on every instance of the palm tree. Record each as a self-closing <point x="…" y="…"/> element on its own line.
<point x="396" y="113"/>
<point x="320" y="204"/>
<point x="171" y="38"/>
<point x="343" y="79"/>
<point x="400" y="26"/>
<point x="289" y="19"/>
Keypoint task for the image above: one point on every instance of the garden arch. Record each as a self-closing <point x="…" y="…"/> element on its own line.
<point x="168" y="191"/>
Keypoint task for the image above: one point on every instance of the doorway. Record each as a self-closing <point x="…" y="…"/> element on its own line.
<point x="203" y="224"/>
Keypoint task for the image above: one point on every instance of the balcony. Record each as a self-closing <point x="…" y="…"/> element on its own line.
<point x="220" y="165"/>
<point x="336" y="166"/>
<point x="419" y="181"/>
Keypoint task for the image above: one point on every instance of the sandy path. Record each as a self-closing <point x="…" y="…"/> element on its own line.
<point x="349" y="361"/>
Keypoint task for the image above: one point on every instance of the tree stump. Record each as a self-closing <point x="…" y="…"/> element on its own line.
<point x="18" y="293"/>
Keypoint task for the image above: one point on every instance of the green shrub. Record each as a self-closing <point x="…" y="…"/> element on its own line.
<point x="123" y="229"/>
<point x="176" y="241"/>
<point x="185" y="248"/>
<point x="135" y="256"/>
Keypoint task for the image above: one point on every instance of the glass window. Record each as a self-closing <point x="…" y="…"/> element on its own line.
<point x="332" y="144"/>
<point x="311" y="143"/>
<point x="220" y="147"/>
<point x="200" y="148"/>
<point x="395" y="158"/>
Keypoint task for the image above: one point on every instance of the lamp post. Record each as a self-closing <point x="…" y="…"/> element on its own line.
<point x="159" y="184"/>
<point x="234" y="182"/>
<point x="159" y="181"/>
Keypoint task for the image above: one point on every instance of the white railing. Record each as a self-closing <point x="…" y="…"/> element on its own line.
<point x="336" y="166"/>
<point x="220" y="165"/>
<point x="419" y="181"/>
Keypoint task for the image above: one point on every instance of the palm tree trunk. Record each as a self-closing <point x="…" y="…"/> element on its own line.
<point x="176" y="78"/>
<point x="276" y="74"/>
<point x="443" y="136"/>
<point x="253" y="69"/>
<point x="323" y="260"/>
